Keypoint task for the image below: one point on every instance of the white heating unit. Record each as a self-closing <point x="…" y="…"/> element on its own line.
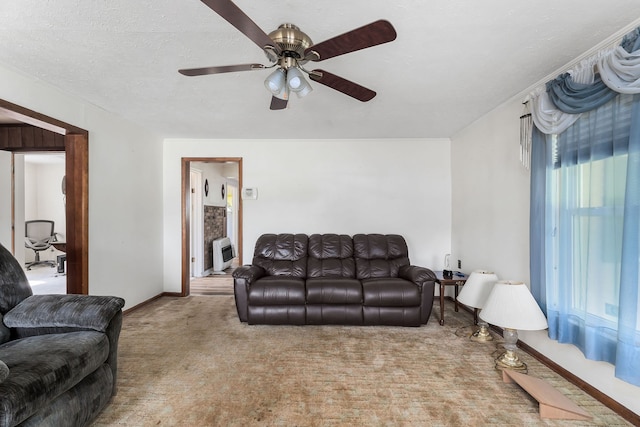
<point x="222" y="254"/>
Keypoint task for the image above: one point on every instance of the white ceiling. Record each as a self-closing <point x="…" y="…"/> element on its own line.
<point x="452" y="62"/>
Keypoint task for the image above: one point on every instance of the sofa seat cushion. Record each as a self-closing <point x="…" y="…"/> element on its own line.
<point x="390" y="292"/>
<point x="334" y="314"/>
<point x="334" y="291"/>
<point x="277" y="290"/>
<point x="43" y="367"/>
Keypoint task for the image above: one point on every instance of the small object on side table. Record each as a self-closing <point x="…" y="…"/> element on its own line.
<point x="60" y="259"/>
<point x="456" y="279"/>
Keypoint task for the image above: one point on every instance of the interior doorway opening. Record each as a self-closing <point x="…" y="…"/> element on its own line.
<point x="43" y="220"/>
<point x="211" y="211"/>
<point x="23" y="130"/>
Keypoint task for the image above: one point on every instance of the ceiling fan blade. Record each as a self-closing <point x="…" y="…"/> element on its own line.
<point x="373" y="34"/>
<point x="278" y="104"/>
<point x="219" y="70"/>
<point x="236" y="17"/>
<point x="345" y="86"/>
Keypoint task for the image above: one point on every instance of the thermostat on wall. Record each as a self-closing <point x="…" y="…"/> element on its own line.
<point x="250" y="193"/>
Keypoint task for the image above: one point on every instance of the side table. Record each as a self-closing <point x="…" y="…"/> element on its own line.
<point x="457" y="279"/>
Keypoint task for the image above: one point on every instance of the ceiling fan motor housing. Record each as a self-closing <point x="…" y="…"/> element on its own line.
<point x="291" y="41"/>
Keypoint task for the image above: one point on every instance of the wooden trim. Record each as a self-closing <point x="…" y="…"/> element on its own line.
<point x="172" y="294"/>
<point x="76" y="146"/>
<point x="186" y="212"/>
<point x="77" y="173"/>
<point x="13" y="203"/>
<point x="25" y="115"/>
<point x="142" y="304"/>
<point x="186" y="225"/>
<point x="150" y="300"/>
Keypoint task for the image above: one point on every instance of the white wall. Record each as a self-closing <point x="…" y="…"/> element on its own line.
<point x="490" y="206"/>
<point x="491" y="197"/>
<point x="125" y="189"/>
<point x="327" y="186"/>
<point x="213" y="174"/>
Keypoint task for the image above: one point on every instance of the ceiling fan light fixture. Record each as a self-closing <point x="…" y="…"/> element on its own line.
<point x="275" y="82"/>
<point x="295" y="79"/>
<point x="283" y="93"/>
<point x="305" y="90"/>
<point x="297" y="83"/>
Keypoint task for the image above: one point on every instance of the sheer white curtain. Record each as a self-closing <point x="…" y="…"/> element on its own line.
<point x="585" y="207"/>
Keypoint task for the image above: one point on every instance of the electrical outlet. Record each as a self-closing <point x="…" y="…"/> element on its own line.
<point x="459" y="263"/>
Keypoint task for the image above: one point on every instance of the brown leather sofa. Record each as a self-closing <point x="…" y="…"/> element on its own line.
<point x="333" y="279"/>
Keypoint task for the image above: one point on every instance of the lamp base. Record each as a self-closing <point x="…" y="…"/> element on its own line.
<point x="481" y="335"/>
<point x="510" y="360"/>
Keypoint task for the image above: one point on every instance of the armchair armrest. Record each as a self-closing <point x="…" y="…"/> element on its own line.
<point x="64" y="311"/>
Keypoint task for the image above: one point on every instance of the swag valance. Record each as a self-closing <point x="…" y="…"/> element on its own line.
<point x="591" y="84"/>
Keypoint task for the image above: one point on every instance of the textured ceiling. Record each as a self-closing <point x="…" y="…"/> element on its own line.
<point x="452" y="61"/>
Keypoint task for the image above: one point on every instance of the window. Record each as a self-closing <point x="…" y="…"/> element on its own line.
<point x="585" y="233"/>
<point x="587" y="215"/>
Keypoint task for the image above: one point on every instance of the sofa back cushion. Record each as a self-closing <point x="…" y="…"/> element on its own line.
<point x="14" y="286"/>
<point x="282" y="254"/>
<point x="379" y="255"/>
<point x="331" y="255"/>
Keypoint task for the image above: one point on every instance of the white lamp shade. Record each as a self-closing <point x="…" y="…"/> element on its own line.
<point x="283" y="94"/>
<point x="275" y="81"/>
<point x="305" y="90"/>
<point x="295" y="79"/>
<point x="477" y="288"/>
<point x="511" y="305"/>
<point x="297" y="82"/>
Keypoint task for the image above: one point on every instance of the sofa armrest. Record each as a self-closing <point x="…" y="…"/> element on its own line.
<point x="243" y="278"/>
<point x="425" y="279"/>
<point x="249" y="273"/>
<point x="418" y="275"/>
<point x="64" y="311"/>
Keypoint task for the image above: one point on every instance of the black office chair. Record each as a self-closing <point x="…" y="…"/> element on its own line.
<point x="38" y="236"/>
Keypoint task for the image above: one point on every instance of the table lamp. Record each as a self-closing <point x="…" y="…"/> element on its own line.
<point x="474" y="294"/>
<point x="511" y="306"/>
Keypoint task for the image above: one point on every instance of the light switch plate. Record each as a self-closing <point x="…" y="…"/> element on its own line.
<point x="249" y="193"/>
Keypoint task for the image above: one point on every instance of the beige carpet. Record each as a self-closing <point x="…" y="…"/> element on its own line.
<point x="212" y="285"/>
<point x="190" y="362"/>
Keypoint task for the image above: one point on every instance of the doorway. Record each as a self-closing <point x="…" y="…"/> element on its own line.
<point x="23" y="130"/>
<point x="213" y="188"/>
<point x="43" y="192"/>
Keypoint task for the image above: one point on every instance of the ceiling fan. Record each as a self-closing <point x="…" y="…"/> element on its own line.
<point x="288" y="49"/>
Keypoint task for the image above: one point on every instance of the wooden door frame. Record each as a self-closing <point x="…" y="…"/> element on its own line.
<point x="186" y="212"/>
<point x="76" y="147"/>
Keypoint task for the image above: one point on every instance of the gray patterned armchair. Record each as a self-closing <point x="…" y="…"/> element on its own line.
<point x="58" y="353"/>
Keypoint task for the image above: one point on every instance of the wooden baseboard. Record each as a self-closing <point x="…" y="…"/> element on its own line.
<point x="142" y="304"/>
<point x="172" y="294"/>
<point x="150" y="300"/>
